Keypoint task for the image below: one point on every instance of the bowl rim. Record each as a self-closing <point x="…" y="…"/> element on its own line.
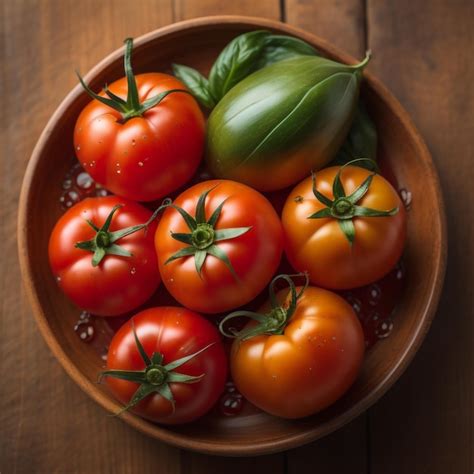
<point x="160" y="431"/>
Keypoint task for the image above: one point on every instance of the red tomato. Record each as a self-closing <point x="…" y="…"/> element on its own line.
<point x="318" y="239"/>
<point x="127" y="274"/>
<point x="225" y="248"/>
<point x="138" y="152"/>
<point x="302" y="360"/>
<point x="166" y="394"/>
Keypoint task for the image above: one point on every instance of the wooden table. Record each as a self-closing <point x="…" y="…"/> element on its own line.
<point x="423" y="51"/>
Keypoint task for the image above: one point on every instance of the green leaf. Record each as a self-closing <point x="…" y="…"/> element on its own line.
<point x="108" y="221"/>
<point x="156" y="358"/>
<point x="190" y="221"/>
<point x="367" y="212"/>
<point x="319" y="196"/>
<point x="337" y="187"/>
<point x="117" y="250"/>
<point x="224" y="234"/>
<point x="136" y="376"/>
<point x="322" y="213"/>
<point x="113" y="96"/>
<point x="347" y="226"/>
<point x="179" y="362"/>
<point x="184" y="252"/>
<point x="199" y="258"/>
<point x="216" y="214"/>
<point x="185" y="238"/>
<point x="143" y="391"/>
<point x="104" y="100"/>
<point x="99" y="254"/>
<point x="155" y="100"/>
<point x="217" y="252"/>
<point x="165" y="391"/>
<point x="279" y="47"/>
<point x="86" y="245"/>
<point x="201" y="207"/>
<point x="183" y="378"/>
<point x="196" y="83"/>
<point x="140" y="348"/>
<point x="360" y="192"/>
<point x="361" y="141"/>
<point x="92" y="225"/>
<point x="236" y="61"/>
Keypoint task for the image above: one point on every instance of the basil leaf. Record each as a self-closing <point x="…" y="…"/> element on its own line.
<point x="361" y="141"/>
<point x="196" y="83"/>
<point x="280" y="47"/>
<point x="236" y="61"/>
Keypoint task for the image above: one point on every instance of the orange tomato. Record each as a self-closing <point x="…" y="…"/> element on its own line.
<point x="308" y="364"/>
<point x="320" y="246"/>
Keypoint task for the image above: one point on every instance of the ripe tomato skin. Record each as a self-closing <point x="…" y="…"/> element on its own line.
<point x="146" y="157"/>
<point x="118" y="284"/>
<point x="175" y="333"/>
<point x="307" y="368"/>
<point x="319" y="247"/>
<point x="254" y="255"/>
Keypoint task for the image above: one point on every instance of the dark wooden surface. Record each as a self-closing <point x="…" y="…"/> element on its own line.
<point x="423" y="53"/>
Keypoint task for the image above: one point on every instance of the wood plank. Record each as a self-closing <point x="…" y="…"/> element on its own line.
<point x="185" y="9"/>
<point x="425" y="423"/>
<point x="46" y="423"/>
<point x="342" y="23"/>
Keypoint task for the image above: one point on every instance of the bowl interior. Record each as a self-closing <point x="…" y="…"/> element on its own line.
<point x="197" y="44"/>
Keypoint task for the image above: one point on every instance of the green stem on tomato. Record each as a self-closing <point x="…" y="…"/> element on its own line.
<point x="344" y="208"/>
<point x="131" y="107"/>
<point x="273" y="322"/>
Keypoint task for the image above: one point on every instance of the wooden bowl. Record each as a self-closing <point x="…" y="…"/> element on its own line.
<point x="197" y="43"/>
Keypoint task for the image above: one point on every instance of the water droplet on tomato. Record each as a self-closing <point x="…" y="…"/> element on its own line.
<point x="140" y="163"/>
<point x="133" y="143"/>
<point x="58" y="279"/>
<point x="67" y="183"/>
<point x="119" y="171"/>
<point x="92" y="164"/>
<point x="78" y="147"/>
<point x="133" y="270"/>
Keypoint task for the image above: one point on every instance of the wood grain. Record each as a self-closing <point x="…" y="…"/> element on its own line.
<point x="47" y="423"/>
<point x="425" y="424"/>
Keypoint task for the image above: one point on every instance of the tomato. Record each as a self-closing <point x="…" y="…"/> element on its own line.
<point x="302" y="354"/>
<point x="136" y="149"/>
<point x="218" y="245"/>
<point x="175" y="362"/>
<point x="102" y="254"/>
<point x="348" y="233"/>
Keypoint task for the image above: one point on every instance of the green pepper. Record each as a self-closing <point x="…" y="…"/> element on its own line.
<point x="279" y="123"/>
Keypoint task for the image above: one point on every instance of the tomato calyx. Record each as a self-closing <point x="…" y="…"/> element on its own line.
<point x="344" y="208"/>
<point x="155" y="377"/>
<point x="103" y="242"/>
<point x="131" y="107"/>
<point x="275" y="321"/>
<point x="203" y="235"/>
